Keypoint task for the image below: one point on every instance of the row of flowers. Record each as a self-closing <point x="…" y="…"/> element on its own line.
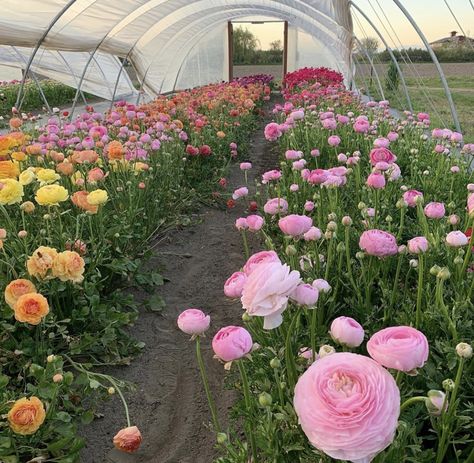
<point x="80" y="202"/>
<point x="367" y="223"/>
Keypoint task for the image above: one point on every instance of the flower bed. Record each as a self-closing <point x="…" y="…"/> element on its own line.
<point x="80" y="203"/>
<point x="358" y="316"/>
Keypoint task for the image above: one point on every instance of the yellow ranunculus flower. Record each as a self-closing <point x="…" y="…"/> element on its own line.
<point x="26" y="416"/>
<point x="26" y="177"/>
<point x="11" y="191"/>
<point x="18" y="156"/>
<point x="97" y="197"/>
<point x="50" y="195"/>
<point x="47" y="176"/>
<point x="41" y="262"/>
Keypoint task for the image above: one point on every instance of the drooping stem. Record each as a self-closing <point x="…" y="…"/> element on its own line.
<point x="248" y="405"/>
<point x="411" y="401"/>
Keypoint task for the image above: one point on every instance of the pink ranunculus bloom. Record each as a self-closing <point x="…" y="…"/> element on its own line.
<point x="306" y="353"/>
<point x="258" y="258"/>
<point x="342" y="158"/>
<point x="318" y="176"/>
<point x="313" y="234"/>
<point x="232" y="343"/>
<point x="275" y="206"/>
<point x="435" y="210"/>
<point x="418" y="245"/>
<point x="329" y="124"/>
<point x="128" y="439"/>
<point x="382" y="166"/>
<point x="308" y="206"/>
<point x="343" y="119"/>
<point x="240" y="192"/>
<point x="305" y="294"/>
<point x="436" y="402"/>
<point x="382" y="154"/>
<point x="456" y="239"/>
<point x="410" y="197"/>
<point x="267" y="290"/>
<point x="305" y="173"/>
<point x="392" y="136"/>
<point x="378" y="243"/>
<point x="394" y="172"/>
<point x="314" y="153"/>
<point x="254" y="222"/>
<point x="321" y="285"/>
<point x="295" y="225"/>
<point x="292" y="155"/>
<point x="299" y="165"/>
<point x="271" y="175"/>
<point x="95" y="175"/>
<point x="294" y="187"/>
<point x="193" y="321"/>
<point x="347" y="331"/>
<point x="361" y="126"/>
<point x="381" y="142"/>
<point x="399" y="347"/>
<point x="245" y="165"/>
<point x="348" y="406"/>
<point x="241" y="223"/>
<point x="234" y="285"/>
<point x="334" y="140"/>
<point x="272" y="131"/>
<point x="376" y="180"/>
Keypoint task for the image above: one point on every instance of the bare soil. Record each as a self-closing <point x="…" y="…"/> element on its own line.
<point x="169" y="405"/>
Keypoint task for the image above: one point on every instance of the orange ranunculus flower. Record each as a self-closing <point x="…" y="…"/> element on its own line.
<point x="79" y="199"/>
<point x="69" y="266"/>
<point x="15" y="123"/>
<point x="31" y="308"/>
<point x="41" y="262"/>
<point x="65" y="168"/>
<point x="17" y="288"/>
<point x="80" y="157"/>
<point x="26" y="416"/>
<point x="33" y="150"/>
<point x="128" y="439"/>
<point x="9" y="169"/>
<point x="115" y="150"/>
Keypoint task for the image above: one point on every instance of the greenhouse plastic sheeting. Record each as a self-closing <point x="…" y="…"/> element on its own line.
<point x="174" y="43"/>
<point x="68" y="67"/>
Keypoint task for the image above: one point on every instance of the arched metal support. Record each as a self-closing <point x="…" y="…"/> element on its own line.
<point x="379" y="83"/>
<point x="37" y="47"/>
<point x="73" y="74"/>
<point x="435" y="61"/>
<point x="390" y="52"/>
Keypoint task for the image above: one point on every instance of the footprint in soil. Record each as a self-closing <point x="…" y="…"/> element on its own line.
<point x="169" y="404"/>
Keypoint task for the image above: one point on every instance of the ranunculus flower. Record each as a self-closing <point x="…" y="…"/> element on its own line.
<point x="348" y="406"/>
<point x="295" y="225"/>
<point x="434" y="210"/>
<point x="241" y="223"/>
<point x="410" y="197"/>
<point x="240" y="192"/>
<point x="51" y="195"/>
<point x="376" y="180"/>
<point x="193" y="321"/>
<point x="41" y="261"/>
<point x="347" y="331"/>
<point x="79" y="199"/>
<point x="378" y="243"/>
<point x="95" y="175"/>
<point x="234" y="285"/>
<point x="275" y="206"/>
<point x="418" y="245"/>
<point x="31" y="308"/>
<point x="399" y="347"/>
<point x="436" y="402"/>
<point x="272" y="131"/>
<point x="321" y="285"/>
<point x="47" y="176"/>
<point x="11" y="191"/>
<point x="245" y="165"/>
<point x="334" y="140"/>
<point x="17" y="288"/>
<point x="232" y="343"/>
<point x="305" y="294"/>
<point x="470" y="204"/>
<point x="26" y="416"/>
<point x="267" y="290"/>
<point x="254" y="222"/>
<point x="271" y="175"/>
<point x="312" y="234"/>
<point x="128" y="439"/>
<point x="382" y="154"/>
<point x="259" y="258"/>
<point x="361" y="126"/>
<point x="97" y="197"/>
<point x="456" y="239"/>
<point x="69" y="266"/>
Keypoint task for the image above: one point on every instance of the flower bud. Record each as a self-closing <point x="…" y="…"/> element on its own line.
<point x="111" y="390"/>
<point x="436" y="402"/>
<point x="51" y="358"/>
<point x="332" y="216"/>
<point x="325" y="350"/>
<point x="246" y="317"/>
<point x="221" y="438"/>
<point x="58" y="378"/>
<point x="346" y="221"/>
<point x="275" y="363"/>
<point x="458" y="260"/>
<point x="360" y="255"/>
<point x="332" y="226"/>
<point x="290" y="250"/>
<point x="448" y="385"/>
<point x="464" y="350"/>
<point x="361" y="206"/>
<point x="444" y="274"/>
<point x="413" y="263"/>
<point x="435" y="270"/>
<point x="265" y="399"/>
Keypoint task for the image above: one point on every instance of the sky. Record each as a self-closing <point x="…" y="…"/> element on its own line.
<point x="432" y="16"/>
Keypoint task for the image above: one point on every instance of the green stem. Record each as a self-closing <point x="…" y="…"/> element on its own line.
<point x="419" y="295"/>
<point x="289" y="355"/>
<point x="411" y="401"/>
<point x="246" y="245"/>
<point x="394" y="290"/>
<point x="469" y="247"/>
<point x="314" y="319"/>
<point x="248" y="404"/>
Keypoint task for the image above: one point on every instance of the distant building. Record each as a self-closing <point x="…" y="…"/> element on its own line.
<point x="453" y="41"/>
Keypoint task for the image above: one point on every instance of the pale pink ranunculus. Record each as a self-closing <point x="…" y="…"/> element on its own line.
<point x="347" y="331"/>
<point x="313" y="234"/>
<point x="267" y="290"/>
<point x="275" y="206"/>
<point x="293" y="155"/>
<point x="378" y="243"/>
<point x="318" y="176"/>
<point x="376" y="180"/>
<point x="315" y="153"/>
<point x="240" y="192"/>
<point x="321" y="285"/>
<point x="361" y="126"/>
<point x="232" y="343"/>
<point x="241" y="223"/>
<point x="334" y="140"/>
<point x="245" y="166"/>
<point x="254" y="222"/>
<point x="271" y="175"/>
<point x="436" y="402"/>
<point x="295" y="225"/>
<point x="381" y="142"/>
<point x="308" y="206"/>
<point x="259" y="258"/>
<point x="348" y="406"/>
<point x="382" y="154"/>
<point x="411" y="196"/>
<point x="418" y="245"/>
<point x="299" y="165"/>
<point x="392" y="136"/>
<point x="193" y="321"/>
<point x="394" y="172"/>
<point x="435" y="210"/>
<point x="456" y="239"/>
<point x="128" y="439"/>
<point x="305" y="294"/>
<point x="272" y="131"/>
<point x="95" y="175"/>
<point x="234" y="285"/>
<point x="399" y="347"/>
<point x="329" y="124"/>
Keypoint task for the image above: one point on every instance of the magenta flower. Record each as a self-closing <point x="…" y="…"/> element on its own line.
<point x="382" y="154"/>
<point x="232" y="343"/>
<point x="435" y="210"/>
<point x="254" y="222"/>
<point x="376" y="180"/>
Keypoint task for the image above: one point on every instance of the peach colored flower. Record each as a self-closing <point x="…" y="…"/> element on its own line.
<point x="69" y="266"/>
<point x="26" y="416"/>
<point x="17" y="288"/>
<point x="128" y="439"/>
<point x="31" y="308"/>
<point x="79" y="199"/>
<point x="41" y="261"/>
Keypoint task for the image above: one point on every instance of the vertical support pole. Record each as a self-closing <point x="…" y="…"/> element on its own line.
<point x="230" y="39"/>
<point x="285" y="48"/>
<point x="435" y="61"/>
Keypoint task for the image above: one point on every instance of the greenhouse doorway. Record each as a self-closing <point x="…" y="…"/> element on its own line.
<point x="257" y="47"/>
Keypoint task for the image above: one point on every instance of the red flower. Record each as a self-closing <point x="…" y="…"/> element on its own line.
<point x="230" y="204"/>
<point x="468" y="234"/>
<point x="253" y="206"/>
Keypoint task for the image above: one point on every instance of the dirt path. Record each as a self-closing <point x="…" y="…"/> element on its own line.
<point x="169" y="405"/>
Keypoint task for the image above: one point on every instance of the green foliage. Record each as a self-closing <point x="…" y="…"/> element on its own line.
<point x="392" y="80"/>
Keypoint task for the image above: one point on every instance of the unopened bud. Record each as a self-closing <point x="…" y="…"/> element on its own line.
<point x="448" y="385"/>
<point x="290" y="250"/>
<point x="464" y="350"/>
<point x="58" y="378"/>
<point x="265" y="399"/>
<point x="325" y="350"/>
<point x="275" y="363"/>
